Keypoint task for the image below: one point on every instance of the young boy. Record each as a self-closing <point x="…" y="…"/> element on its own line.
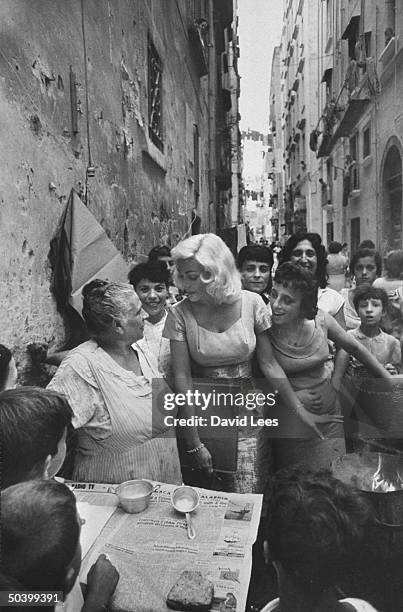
<point x="371" y="305"/>
<point x="316" y="530"/>
<point x="40" y="537"/>
<point x="33" y="430"/>
<point x="151" y="283"/>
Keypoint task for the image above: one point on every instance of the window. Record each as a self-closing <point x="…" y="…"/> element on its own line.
<point x="367" y="43"/>
<point x="354" y="168"/>
<point x="352" y="34"/>
<point x="366" y="142"/>
<point x="328" y="79"/>
<point x="154" y="96"/>
<point x="329" y="18"/>
<point x="355" y="233"/>
<point x="329" y="232"/>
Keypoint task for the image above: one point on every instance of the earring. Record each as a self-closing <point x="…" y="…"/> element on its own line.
<point x="206" y="276"/>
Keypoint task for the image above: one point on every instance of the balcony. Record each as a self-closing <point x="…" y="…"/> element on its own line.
<point x="354" y="111"/>
<point x="339" y="121"/>
<point x="390" y="57"/>
<point x="324" y="145"/>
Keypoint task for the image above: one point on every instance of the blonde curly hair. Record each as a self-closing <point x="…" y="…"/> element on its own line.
<point x="220" y="273"/>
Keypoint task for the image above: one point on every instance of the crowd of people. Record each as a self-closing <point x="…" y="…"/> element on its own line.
<point x="196" y="318"/>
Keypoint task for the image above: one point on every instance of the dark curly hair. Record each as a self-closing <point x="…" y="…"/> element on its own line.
<point x="155" y="271"/>
<point x="316" y="242"/>
<point x="365" y="252"/>
<point x="370" y="293"/>
<point x="316" y="526"/>
<point x="303" y="280"/>
<point x="335" y="247"/>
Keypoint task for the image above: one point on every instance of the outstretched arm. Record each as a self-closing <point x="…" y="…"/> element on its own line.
<point x="276" y="375"/>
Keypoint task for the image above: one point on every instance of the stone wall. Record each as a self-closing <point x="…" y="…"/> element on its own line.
<point x="140" y="196"/>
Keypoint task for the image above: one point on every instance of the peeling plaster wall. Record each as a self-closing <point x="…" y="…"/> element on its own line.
<point x="138" y="195"/>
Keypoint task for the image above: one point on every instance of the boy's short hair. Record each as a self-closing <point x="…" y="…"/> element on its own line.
<point x="370" y="293"/>
<point x="159" y="251"/>
<point x="254" y="252"/>
<point x="335" y="247"/>
<point x="32" y="422"/>
<point x="155" y="271"/>
<point x="366" y="252"/>
<point x="39" y="533"/>
<point x="367" y="244"/>
<point x="315" y="526"/>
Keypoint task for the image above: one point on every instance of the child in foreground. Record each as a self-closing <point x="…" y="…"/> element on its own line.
<point x="315" y="531"/>
<point x="40" y="537"/>
<point x="33" y="430"/>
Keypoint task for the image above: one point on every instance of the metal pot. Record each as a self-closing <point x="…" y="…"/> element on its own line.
<point x="380" y="406"/>
<point x="358" y="470"/>
<point x="134" y="495"/>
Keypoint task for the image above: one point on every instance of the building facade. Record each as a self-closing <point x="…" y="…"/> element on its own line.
<point x="294" y="100"/>
<point x="257" y="152"/>
<point x="352" y="80"/>
<point x="122" y="102"/>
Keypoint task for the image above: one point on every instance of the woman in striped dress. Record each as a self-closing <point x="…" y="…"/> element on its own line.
<point x="108" y="385"/>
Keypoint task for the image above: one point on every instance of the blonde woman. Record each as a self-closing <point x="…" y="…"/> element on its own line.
<point x="214" y="333"/>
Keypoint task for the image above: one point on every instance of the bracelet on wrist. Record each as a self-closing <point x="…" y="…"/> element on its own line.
<point x="300" y="408"/>
<point x="196" y="449"/>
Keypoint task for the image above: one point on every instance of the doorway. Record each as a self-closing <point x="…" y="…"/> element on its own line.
<point x="392" y="181"/>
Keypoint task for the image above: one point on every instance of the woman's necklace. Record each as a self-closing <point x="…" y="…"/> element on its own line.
<point x="295" y="338"/>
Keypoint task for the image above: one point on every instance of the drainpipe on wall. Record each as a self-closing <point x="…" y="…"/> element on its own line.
<point x="378" y="209"/>
<point x="212" y="92"/>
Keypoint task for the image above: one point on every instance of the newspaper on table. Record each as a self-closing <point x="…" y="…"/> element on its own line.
<point x="151" y="549"/>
